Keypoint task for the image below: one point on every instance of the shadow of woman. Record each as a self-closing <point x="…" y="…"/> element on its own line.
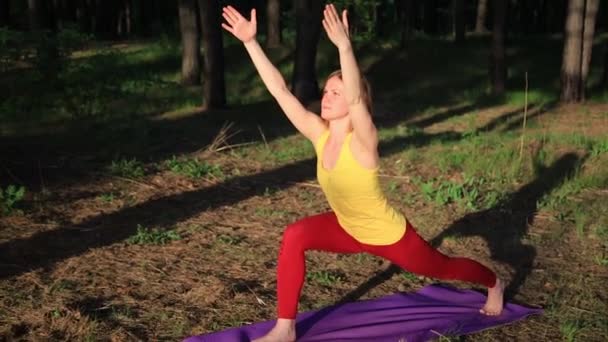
<point x="506" y="224"/>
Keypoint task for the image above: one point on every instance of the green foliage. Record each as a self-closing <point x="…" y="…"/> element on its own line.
<point x="270" y="212"/>
<point x="145" y="236"/>
<point x="364" y="10"/>
<point x="581" y="221"/>
<point x="442" y="192"/>
<point x="408" y="276"/>
<point x="325" y="278"/>
<point x="45" y="50"/>
<point x="599" y="147"/>
<point x="11" y="48"/>
<point x="9" y="197"/>
<point x="193" y="168"/>
<point x="229" y="239"/>
<point x="570" y="329"/>
<point x="108" y="197"/>
<point x="127" y="168"/>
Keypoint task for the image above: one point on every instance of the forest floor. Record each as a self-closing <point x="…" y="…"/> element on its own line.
<point x="169" y="226"/>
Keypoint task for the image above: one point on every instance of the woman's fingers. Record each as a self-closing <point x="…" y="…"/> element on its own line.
<point x="253" y="16"/>
<point x="326" y="26"/>
<point x="228" y="28"/>
<point x="228" y="19"/>
<point x="345" y="19"/>
<point x="328" y="15"/>
<point x="334" y="14"/>
<point x="233" y="13"/>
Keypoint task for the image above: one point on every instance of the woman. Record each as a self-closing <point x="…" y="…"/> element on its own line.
<point x="346" y="143"/>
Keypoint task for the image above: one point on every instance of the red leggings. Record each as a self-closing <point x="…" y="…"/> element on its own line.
<point x="324" y="233"/>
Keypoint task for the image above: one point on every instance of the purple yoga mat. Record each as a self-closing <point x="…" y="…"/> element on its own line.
<point x="433" y="311"/>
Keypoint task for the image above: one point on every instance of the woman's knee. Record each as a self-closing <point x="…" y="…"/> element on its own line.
<point x="294" y="233"/>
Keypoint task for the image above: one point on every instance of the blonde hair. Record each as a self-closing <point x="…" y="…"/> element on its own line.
<point x="366" y="88"/>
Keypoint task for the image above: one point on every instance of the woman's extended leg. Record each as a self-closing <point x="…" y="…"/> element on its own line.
<point x="320" y="232"/>
<point x="414" y="254"/>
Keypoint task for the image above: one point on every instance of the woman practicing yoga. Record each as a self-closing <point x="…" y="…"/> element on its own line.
<point x="346" y="143"/>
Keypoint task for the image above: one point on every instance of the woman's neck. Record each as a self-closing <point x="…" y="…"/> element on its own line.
<point x="339" y="128"/>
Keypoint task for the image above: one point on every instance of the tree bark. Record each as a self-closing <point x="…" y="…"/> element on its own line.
<point x="190" y="32"/>
<point x="406" y="21"/>
<point x="480" y="23"/>
<point x="35" y="16"/>
<point x="591" y="9"/>
<point x="308" y="30"/>
<point x="430" y="16"/>
<point x="498" y="69"/>
<point x="459" y="24"/>
<point x="124" y="19"/>
<point x="273" y="17"/>
<point x="5" y="10"/>
<point x="578" y="42"/>
<point x="605" y="73"/>
<point x="214" y="88"/>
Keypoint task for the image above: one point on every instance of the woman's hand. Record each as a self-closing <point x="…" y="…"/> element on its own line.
<point x="336" y="29"/>
<point x="243" y="29"/>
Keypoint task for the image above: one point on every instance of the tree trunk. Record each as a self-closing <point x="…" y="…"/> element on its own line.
<point x="459" y="24"/>
<point x="498" y="69"/>
<point x="189" y="28"/>
<point x="35" y="16"/>
<point x="406" y="22"/>
<point x="59" y="14"/>
<point x="430" y="17"/>
<point x="591" y="9"/>
<point x="605" y="73"/>
<point x="480" y="23"/>
<point x="84" y="15"/>
<point x="214" y="88"/>
<point x="578" y="41"/>
<point x="128" y="17"/>
<point x="5" y="10"/>
<point x="106" y="18"/>
<point x="273" y="17"/>
<point x="308" y="30"/>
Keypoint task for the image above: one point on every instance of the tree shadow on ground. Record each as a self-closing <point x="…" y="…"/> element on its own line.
<point x="502" y="227"/>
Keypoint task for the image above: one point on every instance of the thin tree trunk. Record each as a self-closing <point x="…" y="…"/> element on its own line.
<point x="578" y="41"/>
<point x="273" y="14"/>
<point x="128" y="20"/>
<point x="84" y="15"/>
<point x="605" y="73"/>
<point x="308" y="30"/>
<point x="124" y="20"/>
<point x="480" y="23"/>
<point x="406" y="22"/>
<point x="214" y="88"/>
<point x="498" y="67"/>
<point x="430" y="17"/>
<point x="34" y="14"/>
<point x="190" y="32"/>
<point x="591" y="9"/>
<point x="459" y="24"/>
<point x="5" y="10"/>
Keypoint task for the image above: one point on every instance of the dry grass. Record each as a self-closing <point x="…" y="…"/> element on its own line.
<point x="88" y="283"/>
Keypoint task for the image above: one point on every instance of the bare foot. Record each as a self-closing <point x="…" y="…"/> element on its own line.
<point x="494" y="303"/>
<point x="284" y="331"/>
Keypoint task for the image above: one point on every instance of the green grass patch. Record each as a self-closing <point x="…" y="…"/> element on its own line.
<point x="325" y="278"/>
<point x="9" y="197"/>
<point x="146" y="236"/>
<point x="193" y="168"/>
<point x="129" y="168"/>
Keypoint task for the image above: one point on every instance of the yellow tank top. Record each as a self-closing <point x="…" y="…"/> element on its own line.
<point x="355" y="196"/>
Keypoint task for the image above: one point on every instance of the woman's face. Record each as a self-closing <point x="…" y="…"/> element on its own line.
<point x="333" y="102"/>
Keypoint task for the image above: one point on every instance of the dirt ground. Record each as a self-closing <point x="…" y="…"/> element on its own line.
<point x="69" y="271"/>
